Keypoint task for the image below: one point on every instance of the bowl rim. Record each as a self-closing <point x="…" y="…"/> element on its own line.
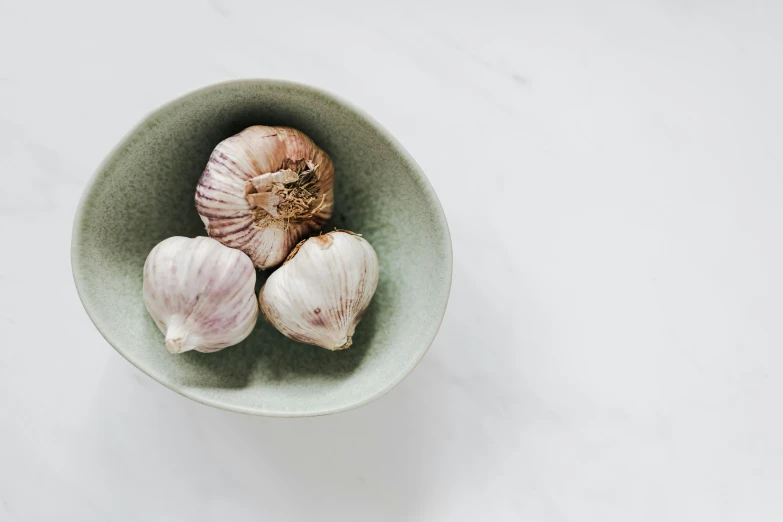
<point x="76" y="242"/>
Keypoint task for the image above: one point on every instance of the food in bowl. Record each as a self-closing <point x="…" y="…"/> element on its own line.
<point x="262" y="190"/>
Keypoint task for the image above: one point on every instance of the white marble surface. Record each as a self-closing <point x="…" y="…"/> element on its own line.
<point x="612" y="349"/>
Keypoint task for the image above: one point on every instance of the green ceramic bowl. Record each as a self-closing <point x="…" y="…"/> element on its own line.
<point x="143" y="193"/>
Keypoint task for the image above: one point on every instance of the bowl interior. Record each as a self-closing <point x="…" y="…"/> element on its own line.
<point x="143" y="193"/>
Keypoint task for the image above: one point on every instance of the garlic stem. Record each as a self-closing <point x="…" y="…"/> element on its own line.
<point x="176" y="335"/>
<point x="344" y="343"/>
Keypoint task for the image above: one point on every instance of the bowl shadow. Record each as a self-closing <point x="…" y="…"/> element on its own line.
<point x="381" y="462"/>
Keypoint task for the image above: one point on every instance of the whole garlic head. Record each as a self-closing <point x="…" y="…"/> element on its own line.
<point x="263" y="190"/>
<point x="321" y="292"/>
<point x="200" y="293"/>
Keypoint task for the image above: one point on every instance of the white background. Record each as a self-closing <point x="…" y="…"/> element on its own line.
<point x="611" y="172"/>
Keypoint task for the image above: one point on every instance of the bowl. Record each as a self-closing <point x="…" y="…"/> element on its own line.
<point x="143" y="193"/>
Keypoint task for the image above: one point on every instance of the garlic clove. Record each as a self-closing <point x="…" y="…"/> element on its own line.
<point x="200" y="293"/>
<point x="322" y="290"/>
<point x="263" y="190"/>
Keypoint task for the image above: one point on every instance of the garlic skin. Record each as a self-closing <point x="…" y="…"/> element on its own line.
<point x="263" y="190"/>
<point x="200" y="293"/>
<point x="321" y="292"/>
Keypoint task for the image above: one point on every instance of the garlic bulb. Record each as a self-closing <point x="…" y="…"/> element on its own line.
<point x="321" y="292"/>
<point x="265" y="189"/>
<point x="200" y="293"/>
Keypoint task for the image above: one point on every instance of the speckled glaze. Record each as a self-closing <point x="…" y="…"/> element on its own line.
<point x="143" y="193"/>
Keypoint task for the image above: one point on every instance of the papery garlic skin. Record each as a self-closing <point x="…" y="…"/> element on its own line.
<point x="263" y="190"/>
<point x="321" y="292"/>
<point x="200" y="293"/>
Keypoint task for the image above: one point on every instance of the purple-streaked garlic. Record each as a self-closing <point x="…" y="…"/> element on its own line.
<point x="263" y="190"/>
<point x="200" y="293"/>
<point x="321" y="292"/>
